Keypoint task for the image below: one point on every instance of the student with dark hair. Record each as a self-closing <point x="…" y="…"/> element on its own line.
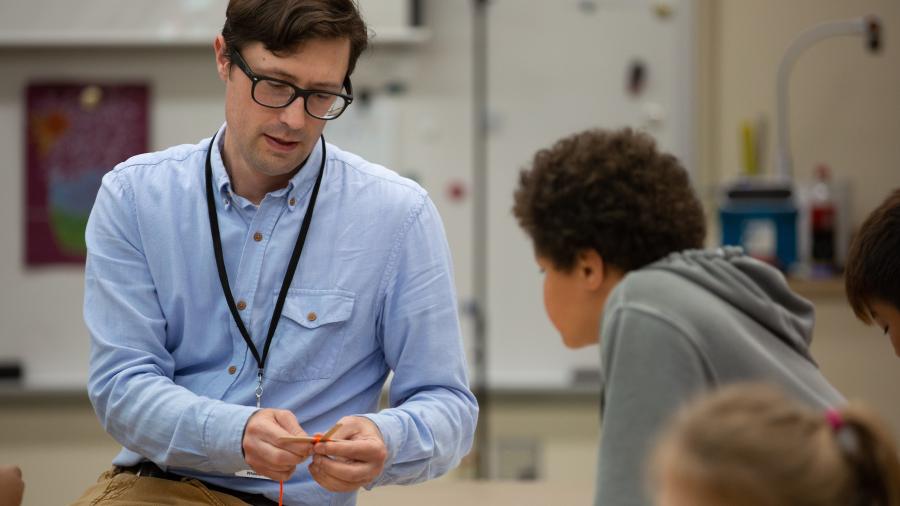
<point x="618" y="231"/>
<point x="872" y="274"/>
<point x="751" y="445"/>
<point x="261" y="285"/>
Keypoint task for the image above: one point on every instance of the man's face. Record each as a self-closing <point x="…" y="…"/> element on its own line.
<point x="887" y="316"/>
<point x="569" y="305"/>
<point x="267" y="143"/>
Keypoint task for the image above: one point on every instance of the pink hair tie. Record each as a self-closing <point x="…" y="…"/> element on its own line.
<point x="835" y="420"/>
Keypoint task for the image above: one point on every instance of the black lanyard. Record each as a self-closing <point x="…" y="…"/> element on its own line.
<point x="288" y="276"/>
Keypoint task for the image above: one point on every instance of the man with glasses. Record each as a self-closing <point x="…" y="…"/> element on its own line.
<point x="248" y="293"/>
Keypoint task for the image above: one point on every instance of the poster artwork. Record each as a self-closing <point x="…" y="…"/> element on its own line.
<point x="75" y="133"/>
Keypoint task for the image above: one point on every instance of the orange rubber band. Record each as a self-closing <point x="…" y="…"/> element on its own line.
<point x="281" y="493"/>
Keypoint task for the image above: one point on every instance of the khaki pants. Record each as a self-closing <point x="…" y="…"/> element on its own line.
<point x="116" y="488"/>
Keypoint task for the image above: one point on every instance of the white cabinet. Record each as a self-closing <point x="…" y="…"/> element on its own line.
<point x="557" y="68"/>
<point x="37" y="23"/>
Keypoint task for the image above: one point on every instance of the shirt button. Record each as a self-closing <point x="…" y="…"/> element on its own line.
<point x="232" y="370"/>
<point x="292" y="202"/>
<point x="257" y="237"/>
<point x="241" y="305"/>
<point x="311" y="316"/>
<point x="225" y="201"/>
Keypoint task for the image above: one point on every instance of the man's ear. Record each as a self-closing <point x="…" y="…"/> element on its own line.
<point x="590" y="268"/>
<point x="223" y="63"/>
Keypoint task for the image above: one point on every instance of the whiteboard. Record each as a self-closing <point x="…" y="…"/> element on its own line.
<point x="426" y="132"/>
<point x="164" y="43"/>
<point x="557" y="68"/>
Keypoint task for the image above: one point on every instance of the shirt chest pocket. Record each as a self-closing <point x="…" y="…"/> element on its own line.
<point x="310" y="334"/>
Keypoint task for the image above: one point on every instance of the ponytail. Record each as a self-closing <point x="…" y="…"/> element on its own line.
<point x="870" y="454"/>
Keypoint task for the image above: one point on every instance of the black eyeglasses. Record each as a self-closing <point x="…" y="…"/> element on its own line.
<point x="276" y="93"/>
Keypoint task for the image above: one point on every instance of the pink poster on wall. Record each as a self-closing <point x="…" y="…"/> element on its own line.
<point x="75" y="133"/>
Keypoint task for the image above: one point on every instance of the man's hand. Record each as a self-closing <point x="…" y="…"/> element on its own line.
<point x="264" y="453"/>
<point x="344" y="466"/>
<point x="11" y="486"/>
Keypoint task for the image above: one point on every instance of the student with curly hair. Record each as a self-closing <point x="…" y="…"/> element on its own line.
<point x="873" y="269"/>
<point x="618" y="231"/>
<point x="751" y="445"/>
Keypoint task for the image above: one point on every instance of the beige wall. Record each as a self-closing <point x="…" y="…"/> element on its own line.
<point x="844" y="101"/>
<point x="844" y="111"/>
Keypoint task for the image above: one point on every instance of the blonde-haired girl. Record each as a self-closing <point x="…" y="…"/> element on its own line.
<point x="752" y="445"/>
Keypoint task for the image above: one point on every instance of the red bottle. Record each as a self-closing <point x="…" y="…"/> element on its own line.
<point x="822" y="218"/>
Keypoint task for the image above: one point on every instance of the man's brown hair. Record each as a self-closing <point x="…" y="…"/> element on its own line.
<point x="610" y="191"/>
<point x="873" y="261"/>
<point x="282" y="25"/>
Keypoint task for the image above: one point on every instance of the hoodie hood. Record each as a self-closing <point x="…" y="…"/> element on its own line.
<point x="753" y="287"/>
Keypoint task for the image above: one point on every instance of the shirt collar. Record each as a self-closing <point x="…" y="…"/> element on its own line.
<point x="298" y="187"/>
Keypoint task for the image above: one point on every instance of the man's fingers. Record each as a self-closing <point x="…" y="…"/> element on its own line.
<point x="360" y="449"/>
<point x="330" y="481"/>
<point x="263" y="453"/>
<point x="272" y="462"/>
<point x="347" y="465"/>
<point x="274" y="471"/>
<point x="300" y="450"/>
<point x="286" y="425"/>
<point x="348" y="471"/>
<point x="287" y="421"/>
<point x="261" y="439"/>
<point x="274" y="422"/>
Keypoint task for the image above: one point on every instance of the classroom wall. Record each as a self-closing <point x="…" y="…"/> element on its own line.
<point x="852" y="123"/>
<point x="419" y="120"/>
<point x="430" y="119"/>
<point x="42" y="313"/>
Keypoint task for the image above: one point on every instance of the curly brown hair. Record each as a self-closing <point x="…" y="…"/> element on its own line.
<point x="873" y="260"/>
<point x="282" y="25"/>
<point x="610" y="191"/>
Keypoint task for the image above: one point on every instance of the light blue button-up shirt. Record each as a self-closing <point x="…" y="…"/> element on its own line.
<point x="171" y="377"/>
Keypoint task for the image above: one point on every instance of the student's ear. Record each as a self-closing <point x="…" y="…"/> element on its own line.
<point x="590" y="268"/>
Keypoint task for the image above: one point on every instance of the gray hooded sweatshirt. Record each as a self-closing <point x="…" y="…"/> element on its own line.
<point x="681" y="326"/>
